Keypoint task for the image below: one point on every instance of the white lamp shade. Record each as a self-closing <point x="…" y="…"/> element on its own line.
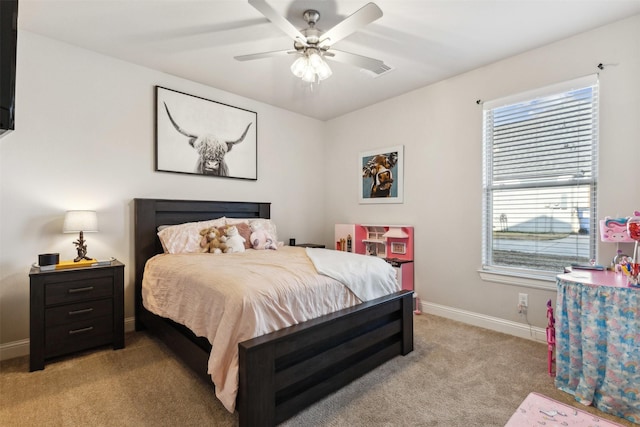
<point x="315" y="60"/>
<point x="309" y="75"/>
<point x="311" y="66"/>
<point x="323" y="70"/>
<point x="299" y="66"/>
<point x="76" y="221"/>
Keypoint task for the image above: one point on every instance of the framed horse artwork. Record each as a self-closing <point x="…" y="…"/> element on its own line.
<point x="382" y="177"/>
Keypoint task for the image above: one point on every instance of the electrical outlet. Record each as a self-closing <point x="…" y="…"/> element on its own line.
<point x="523" y="303"/>
<point x="523" y="300"/>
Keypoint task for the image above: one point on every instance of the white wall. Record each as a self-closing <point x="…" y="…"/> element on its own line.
<point x="440" y="127"/>
<point x="84" y="139"/>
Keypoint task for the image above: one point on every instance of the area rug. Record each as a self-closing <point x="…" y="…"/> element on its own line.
<point x="537" y="410"/>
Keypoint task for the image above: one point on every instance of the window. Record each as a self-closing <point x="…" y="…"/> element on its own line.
<point x="540" y="179"/>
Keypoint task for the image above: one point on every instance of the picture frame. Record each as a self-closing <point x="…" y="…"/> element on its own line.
<point x="198" y="136"/>
<point x="382" y="175"/>
<point x="398" y="248"/>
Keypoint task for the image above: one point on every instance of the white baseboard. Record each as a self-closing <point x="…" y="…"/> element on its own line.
<point x="14" y="349"/>
<point x="129" y="324"/>
<point x="21" y="347"/>
<point x="521" y="330"/>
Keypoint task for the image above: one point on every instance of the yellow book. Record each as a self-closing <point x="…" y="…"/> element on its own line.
<point x="71" y="264"/>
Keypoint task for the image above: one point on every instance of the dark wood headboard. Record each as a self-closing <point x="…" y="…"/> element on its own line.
<point x="149" y="214"/>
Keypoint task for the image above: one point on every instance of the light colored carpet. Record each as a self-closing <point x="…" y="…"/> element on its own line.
<point x="458" y="375"/>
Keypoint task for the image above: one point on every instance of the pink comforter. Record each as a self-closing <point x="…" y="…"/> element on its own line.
<point x="206" y="293"/>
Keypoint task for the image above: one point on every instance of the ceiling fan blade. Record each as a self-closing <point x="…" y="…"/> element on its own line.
<point x="279" y="21"/>
<point x="363" y="16"/>
<point x="359" y="61"/>
<point x="264" y="55"/>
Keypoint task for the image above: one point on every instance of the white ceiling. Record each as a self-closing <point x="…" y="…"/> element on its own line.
<point x="424" y="41"/>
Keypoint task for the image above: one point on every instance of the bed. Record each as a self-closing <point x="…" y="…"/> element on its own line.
<point x="282" y="372"/>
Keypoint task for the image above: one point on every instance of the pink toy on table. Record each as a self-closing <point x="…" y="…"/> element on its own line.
<point x="614" y="230"/>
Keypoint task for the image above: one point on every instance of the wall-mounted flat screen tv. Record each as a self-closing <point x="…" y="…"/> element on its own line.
<point x="8" y="39"/>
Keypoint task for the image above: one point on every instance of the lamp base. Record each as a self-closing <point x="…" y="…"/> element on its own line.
<point x="81" y="247"/>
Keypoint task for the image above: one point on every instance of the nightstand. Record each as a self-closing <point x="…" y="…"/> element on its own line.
<point x="75" y="309"/>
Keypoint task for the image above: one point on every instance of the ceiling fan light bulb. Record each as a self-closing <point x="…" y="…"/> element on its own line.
<point x="309" y="75"/>
<point x="315" y="60"/>
<point x="324" y="71"/>
<point x="299" y="66"/>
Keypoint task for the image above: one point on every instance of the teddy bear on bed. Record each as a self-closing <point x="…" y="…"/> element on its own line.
<point x="212" y="240"/>
<point x="261" y="238"/>
<point x="235" y="242"/>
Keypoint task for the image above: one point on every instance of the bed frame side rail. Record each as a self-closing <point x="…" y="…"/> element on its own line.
<point x="285" y="371"/>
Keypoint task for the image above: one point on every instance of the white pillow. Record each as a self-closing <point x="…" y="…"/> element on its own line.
<point x="185" y="238"/>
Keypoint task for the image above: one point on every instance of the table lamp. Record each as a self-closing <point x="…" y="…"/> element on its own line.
<point x="80" y="221"/>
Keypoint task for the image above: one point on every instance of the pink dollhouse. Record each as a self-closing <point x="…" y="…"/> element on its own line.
<point x="393" y="243"/>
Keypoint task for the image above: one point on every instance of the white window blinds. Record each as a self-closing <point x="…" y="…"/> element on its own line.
<point x="540" y="178"/>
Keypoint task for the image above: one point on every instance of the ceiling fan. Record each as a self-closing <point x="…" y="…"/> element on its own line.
<point x="313" y="45"/>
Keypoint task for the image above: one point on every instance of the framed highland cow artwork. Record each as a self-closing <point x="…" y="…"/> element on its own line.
<point x="382" y="175"/>
<point x="198" y="136"/>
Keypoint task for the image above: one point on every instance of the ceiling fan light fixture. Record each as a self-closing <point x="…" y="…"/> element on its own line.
<point x="311" y="67"/>
<point x="315" y="60"/>
<point x="323" y="71"/>
<point x="299" y="66"/>
<point x="309" y="75"/>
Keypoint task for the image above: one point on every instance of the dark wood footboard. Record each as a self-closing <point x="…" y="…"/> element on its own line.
<point x="285" y="371"/>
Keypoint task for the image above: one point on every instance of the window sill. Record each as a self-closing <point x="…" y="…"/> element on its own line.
<point x="524" y="280"/>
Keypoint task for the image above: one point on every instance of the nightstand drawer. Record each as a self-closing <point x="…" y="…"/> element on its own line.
<point x="78" y="290"/>
<point x="76" y="312"/>
<point x="78" y="335"/>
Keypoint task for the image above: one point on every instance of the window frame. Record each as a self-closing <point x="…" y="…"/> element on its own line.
<point x="523" y="276"/>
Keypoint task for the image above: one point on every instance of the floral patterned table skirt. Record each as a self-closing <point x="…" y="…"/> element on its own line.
<point x="598" y="346"/>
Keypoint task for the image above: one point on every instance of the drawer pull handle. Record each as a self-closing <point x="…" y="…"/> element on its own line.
<point x="85" y="289"/>
<point x="83" y="311"/>
<point x="81" y="330"/>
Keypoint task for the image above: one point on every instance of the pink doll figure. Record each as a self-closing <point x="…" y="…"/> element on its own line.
<point x="633" y="229"/>
<point x="551" y="338"/>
